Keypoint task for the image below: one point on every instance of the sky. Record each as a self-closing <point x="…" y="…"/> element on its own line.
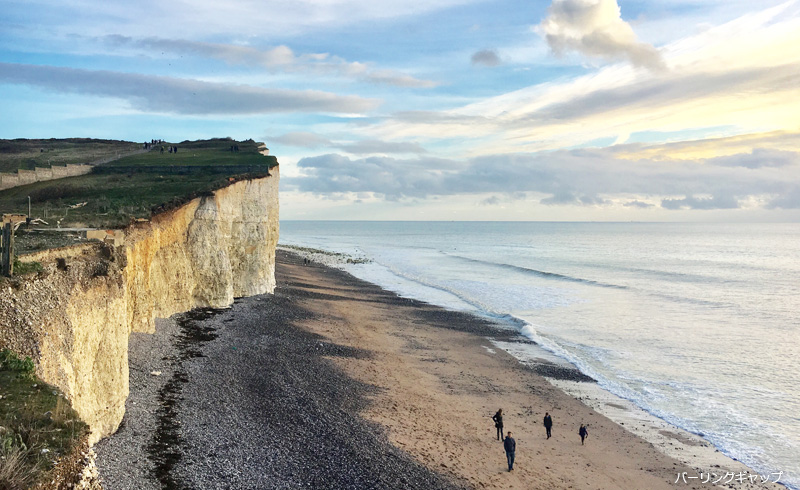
<point x="553" y="110"/>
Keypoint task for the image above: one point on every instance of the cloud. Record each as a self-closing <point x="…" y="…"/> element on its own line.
<point x="304" y="139"/>
<point x="654" y="95"/>
<point x="366" y="147"/>
<point x="590" y="177"/>
<point x="690" y="202"/>
<point x="208" y="19"/>
<point x="300" y="139"/>
<point x="388" y="177"/>
<point x="231" y="54"/>
<point x="638" y="204"/>
<point x="158" y="94"/>
<point x="390" y="77"/>
<point x="280" y="58"/>
<point x="789" y="200"/>
<point x="567" y="197"/>
<point x="486" y="57"/>
<point x="560" y="197"/>
<point x="504" y="198"/>
<point x="595" y="28"/>
<point x="772" y="143"/>
<point x="618" y="101"/>
<point x="758" y="158"/>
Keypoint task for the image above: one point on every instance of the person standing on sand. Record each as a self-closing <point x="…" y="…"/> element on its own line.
<point x="548" y="423"/>
<point x="498" y="423"/>
<point x="583" y="433"/>
<point x="510" y="445"/>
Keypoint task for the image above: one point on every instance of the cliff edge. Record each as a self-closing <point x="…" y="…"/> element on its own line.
<point x="74" y="318"/>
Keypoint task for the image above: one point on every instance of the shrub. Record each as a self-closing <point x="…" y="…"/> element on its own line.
<point x="55" y="191"/>
<point x="22" y="268"/>
<point x="12" y="362"/>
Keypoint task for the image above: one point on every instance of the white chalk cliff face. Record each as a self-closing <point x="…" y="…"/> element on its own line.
<point x="203" y="254"/>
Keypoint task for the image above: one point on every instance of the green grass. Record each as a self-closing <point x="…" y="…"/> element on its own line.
<point x="29" y="153"/>
<point x="24" y="268"/>
<point x="112" y="200"/>
<point x="37" y="424"/>
<point x="142" y="187"/>
<point x="204" y="153"/>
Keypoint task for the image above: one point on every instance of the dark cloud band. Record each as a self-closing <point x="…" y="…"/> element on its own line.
<point x="576" y="177"/>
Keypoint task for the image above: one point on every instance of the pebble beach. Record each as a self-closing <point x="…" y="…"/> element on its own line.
<point x="332" y="382"/>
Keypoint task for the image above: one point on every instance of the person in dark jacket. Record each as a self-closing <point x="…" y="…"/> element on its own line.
<point x="548" y="423"/>
<point x="583" y="433"/>
<point x="498" y="423"/>
<point x="510" y="445"/>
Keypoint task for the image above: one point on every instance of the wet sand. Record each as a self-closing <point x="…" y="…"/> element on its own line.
<point x="333" y="382"/>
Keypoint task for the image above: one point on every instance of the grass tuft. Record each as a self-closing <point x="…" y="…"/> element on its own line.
<point x="23" y="268"/>
<point x="37" y="424"/>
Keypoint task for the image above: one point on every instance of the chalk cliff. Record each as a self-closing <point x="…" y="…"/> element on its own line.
<point x="75" y="317"/>
<point x="204" y="253"/>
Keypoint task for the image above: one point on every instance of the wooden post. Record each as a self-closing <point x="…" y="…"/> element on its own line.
<point x="6" y="253"/>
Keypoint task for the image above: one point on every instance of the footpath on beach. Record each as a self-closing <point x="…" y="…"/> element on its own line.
<point x="333" y="382"/>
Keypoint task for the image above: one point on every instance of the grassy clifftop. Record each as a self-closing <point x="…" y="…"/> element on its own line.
<point x="29" y="153"/>
<point x="204" y="153"/>
<point x="138" y="185"/>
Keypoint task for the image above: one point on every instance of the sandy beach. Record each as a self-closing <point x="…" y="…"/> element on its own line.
<point x="335" y="383"/>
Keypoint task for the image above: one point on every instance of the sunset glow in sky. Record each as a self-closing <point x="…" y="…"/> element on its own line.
<point x="647" y="110"/>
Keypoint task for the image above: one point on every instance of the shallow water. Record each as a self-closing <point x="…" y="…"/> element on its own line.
<point x="695" y="323"/>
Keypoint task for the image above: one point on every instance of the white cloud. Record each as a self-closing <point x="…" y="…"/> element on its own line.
<point x="300" y="139"/>
<point x="367" y="147"/>
<point x="691" y="202"/>
<point x="303" y="139"/>
<point x="741" y="76"/>
<point x="391" y="77"/>
<point x="158" y="94"/>
<point x="281" y="58"/>
<point x="595" y="28"/>
<point x="232" y="54"/>
<point x="211" y="18"/>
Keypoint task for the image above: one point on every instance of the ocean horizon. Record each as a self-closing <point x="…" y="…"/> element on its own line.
<point x="695" y="323"/>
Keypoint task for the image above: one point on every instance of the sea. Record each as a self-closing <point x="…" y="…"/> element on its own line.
<point x="698" y="324"/>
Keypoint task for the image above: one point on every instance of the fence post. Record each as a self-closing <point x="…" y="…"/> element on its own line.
<point x="6" y="254"/>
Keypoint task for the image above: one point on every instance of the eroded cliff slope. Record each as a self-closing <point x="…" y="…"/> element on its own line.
<point x="75" y="317"/>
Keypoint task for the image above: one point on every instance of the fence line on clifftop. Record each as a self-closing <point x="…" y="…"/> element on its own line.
<point x="41" y="174"/>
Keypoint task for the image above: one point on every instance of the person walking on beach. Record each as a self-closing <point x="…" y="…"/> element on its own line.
<point x="548" y="423"/>
<point x="583" y="433"/>
<point x="510" y="445"/>
<point x="498" y="423"/>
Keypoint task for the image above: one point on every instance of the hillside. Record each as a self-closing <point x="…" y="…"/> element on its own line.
<point x="129" y="188"/>
<point x="29" y="153"/>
